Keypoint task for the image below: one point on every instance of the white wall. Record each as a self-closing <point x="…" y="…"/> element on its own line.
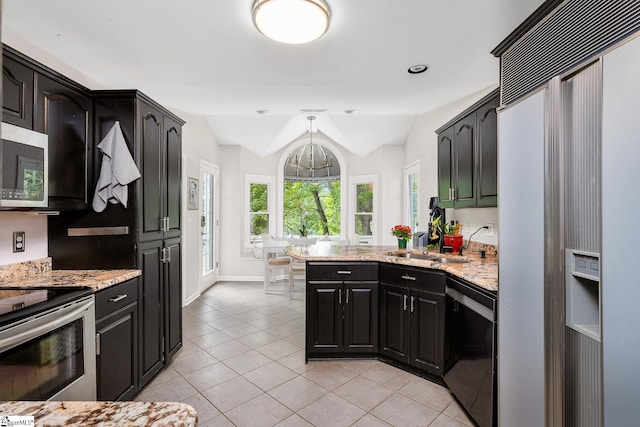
<point x="35" y="228"/>
<point x="422" y="144"/>
<point x="198" y="142"/>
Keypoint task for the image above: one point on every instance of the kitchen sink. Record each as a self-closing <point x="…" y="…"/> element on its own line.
<point x="432" y="257"/>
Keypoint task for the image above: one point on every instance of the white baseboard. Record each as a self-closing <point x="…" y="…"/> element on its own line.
<point x="240" y="279"/>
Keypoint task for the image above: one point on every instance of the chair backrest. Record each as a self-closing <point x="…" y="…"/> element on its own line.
<point x="302" y="241"/>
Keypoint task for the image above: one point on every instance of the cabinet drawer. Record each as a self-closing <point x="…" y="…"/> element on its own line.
<point x="115" y="297"/>
<point x="417" y="278"/>
<point x="342" y="271"/>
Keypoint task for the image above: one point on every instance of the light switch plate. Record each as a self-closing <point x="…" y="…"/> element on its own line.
<point x="18" y="241"/>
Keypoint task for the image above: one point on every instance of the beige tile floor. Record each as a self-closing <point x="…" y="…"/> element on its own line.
<point x="242" y="364"/>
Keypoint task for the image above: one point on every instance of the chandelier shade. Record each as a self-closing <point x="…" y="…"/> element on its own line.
<point x="291" y="21"/>
<point x="311" y="162"/>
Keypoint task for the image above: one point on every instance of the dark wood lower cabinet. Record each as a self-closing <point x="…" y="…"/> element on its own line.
<point x="117" y="342"/>
<point x="412" y="317"/>
<point x="342" y="315"/>
<point x="160" y="306"/>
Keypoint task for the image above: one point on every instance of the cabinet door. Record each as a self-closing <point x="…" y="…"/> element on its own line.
<point x="361" y="318"/>
<point x="151" y="165"/>
<point x="445" y="171"/>
<point x="324" y="318"/>
<point x="17" y="93"/>
<point x="173" y="300"/>
<point x="394" y="322"/>
<point x="464" y="162"/>
<point x="64" y="114"/>
<point x="172" y="179"/>
<point x="427" y="331"/>
<point x="488" y="153"/>
<point x="117" y="361"/>
<point x="150" y="301"/>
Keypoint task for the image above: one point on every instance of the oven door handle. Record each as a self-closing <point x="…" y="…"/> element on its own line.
<point x="28" y="335"/>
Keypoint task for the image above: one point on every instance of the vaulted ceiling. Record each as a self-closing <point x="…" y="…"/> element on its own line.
<point x="205" y="57"/>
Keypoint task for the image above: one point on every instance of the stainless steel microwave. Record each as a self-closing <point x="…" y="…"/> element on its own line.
<point x="24" y="167"/>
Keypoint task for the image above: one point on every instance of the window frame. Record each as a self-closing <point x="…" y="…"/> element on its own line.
<point x="412" y="168"/>
<point x="270" y="182"/>
<point x="353" y="186"/>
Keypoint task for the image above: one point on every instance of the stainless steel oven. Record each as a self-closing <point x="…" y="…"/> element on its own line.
<point x="471" y="369"/>
<point x="47" y="344"/>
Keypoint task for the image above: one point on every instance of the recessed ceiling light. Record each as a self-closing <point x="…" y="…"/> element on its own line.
<point x="291" y="21"/>
<point x="349" y="111"/>
<point x="261" y="111"/>
<point x="417" y="69"/>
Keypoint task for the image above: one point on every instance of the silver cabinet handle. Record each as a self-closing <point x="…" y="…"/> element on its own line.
<point x="453" y="194"/>
<point x="405" y="302"/>
<point x="407" y="277"/>
<point x="168" y="254"/>
<point x="118" y="298"/>
<point x="412" y="303"/>
<point x="344" y="272"/>
<point x="163" y="255"/>
<point x="97" y="344"/>
<point x="339" y="296"/>
<point x="346" y="292"/>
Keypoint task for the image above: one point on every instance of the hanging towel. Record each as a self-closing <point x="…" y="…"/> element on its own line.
<point x="118" y="169"/>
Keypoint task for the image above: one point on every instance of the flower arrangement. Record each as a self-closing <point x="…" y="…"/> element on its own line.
<point x="402" y="232"/>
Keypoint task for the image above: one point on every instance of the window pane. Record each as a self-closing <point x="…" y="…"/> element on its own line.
<point x="259" y="225"/>
<point x="259" y="194"/>
<point x="312" y="206"/>
<point x="363" y="224"/>
<point x="364" y="196"/>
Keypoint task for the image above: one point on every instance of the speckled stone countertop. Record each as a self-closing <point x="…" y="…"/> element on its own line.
<point x="38" y="273"/>
<point x="67" y="413"/>
<point x="482" y="272"/>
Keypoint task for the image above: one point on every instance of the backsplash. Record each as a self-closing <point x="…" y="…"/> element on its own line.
<point x="35" y="228"/>
<point x="21" y="270"/>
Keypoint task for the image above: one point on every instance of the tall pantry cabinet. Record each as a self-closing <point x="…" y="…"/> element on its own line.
<point x="157" y="136"/>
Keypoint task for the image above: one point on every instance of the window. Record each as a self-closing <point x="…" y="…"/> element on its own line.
<point x="260" y="207"/>
<point x="363" y="199"/>
<point x="312" y="208"/>
<point x="411" y="179"/>
<point x="364" y="209"/>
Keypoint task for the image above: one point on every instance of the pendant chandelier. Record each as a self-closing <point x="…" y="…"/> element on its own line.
<point x="311" y="162"/>
<point x="291" y="21"/>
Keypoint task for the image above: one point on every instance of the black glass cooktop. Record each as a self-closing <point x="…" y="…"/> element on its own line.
<point x="17" y="303"/>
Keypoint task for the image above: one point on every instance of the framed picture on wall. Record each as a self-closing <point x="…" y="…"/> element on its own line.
<point x="192" y="201"/>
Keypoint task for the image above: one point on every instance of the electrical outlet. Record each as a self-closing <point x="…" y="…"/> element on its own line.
<point x="489" y="232"/>
<point x="18" y="241"/>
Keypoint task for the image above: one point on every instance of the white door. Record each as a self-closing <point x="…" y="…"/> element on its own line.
<point x="209" y="224"/>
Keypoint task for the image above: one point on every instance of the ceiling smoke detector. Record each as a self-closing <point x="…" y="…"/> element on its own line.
<point x="417" y="69"/>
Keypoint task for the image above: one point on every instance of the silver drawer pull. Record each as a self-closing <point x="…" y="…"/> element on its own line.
<point x="118" y="298"/>
<point x="407" y="277"/>
<point x="344" y="272"/>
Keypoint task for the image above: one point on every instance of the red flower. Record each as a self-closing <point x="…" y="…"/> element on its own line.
<point x="401" y="231"/>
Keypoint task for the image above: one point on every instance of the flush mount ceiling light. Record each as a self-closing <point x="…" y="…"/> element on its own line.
<point x="291" y="21"/>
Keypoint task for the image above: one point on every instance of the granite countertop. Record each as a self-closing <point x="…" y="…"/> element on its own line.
<point x="482" y="272"/>
<point x="67" y="413"/>
<point x="38" y="273"/>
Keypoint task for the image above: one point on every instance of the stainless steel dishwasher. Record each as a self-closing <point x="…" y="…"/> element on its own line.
<point x="471" y="349"/>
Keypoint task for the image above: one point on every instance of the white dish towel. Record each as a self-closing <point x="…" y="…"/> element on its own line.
<point x="118" y="169"/>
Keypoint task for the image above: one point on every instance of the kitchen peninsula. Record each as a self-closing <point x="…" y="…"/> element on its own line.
<point x="432" y="314"/>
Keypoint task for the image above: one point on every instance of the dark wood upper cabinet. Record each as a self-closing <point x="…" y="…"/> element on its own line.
<point x="445" y="171"/>
<point x="64" y="114"/>
<point x="464" y="160"/>
<point x="487" y="122"/>
<point x="17" y="93"/>
<point x="467" y="156"/>
<point x="160" y="167"/>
